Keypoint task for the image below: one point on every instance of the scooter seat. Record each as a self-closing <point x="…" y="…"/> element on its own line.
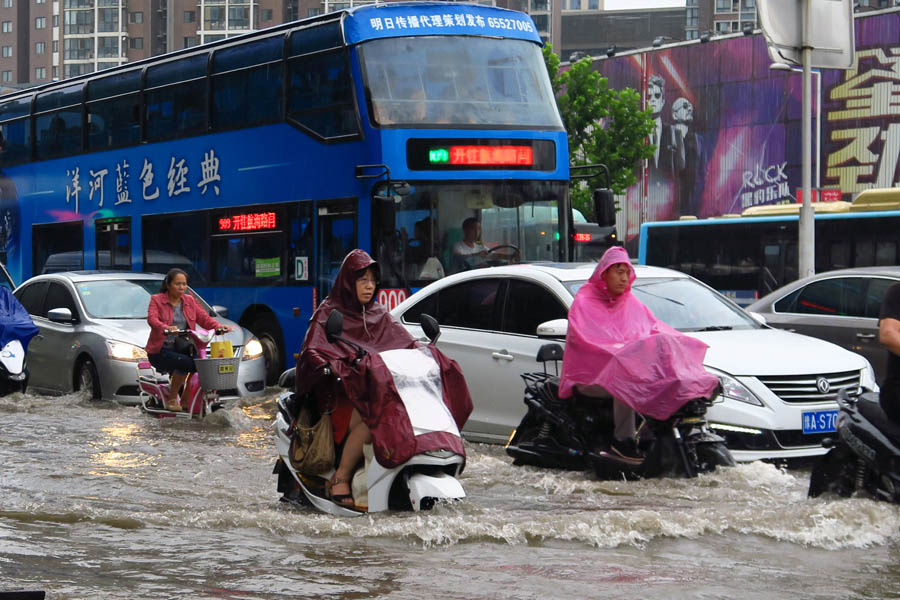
<point x="869" y="407"/>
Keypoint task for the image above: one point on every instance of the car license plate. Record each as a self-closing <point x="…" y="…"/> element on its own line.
<point x="819" y="421"/>
<point x="226" y="368"/>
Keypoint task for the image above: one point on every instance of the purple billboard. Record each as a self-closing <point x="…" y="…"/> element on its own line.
<point x="728" y="126"/>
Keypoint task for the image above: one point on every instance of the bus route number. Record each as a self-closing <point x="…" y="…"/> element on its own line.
<point x="391" y="297"/>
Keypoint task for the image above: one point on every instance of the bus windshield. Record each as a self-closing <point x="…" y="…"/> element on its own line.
<point x="458" y="81"/>
<point x="423" y="236"/>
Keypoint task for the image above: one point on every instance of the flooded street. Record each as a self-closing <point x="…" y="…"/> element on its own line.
<point x="101" y="501"/>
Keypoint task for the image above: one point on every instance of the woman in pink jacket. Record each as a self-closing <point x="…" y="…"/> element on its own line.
<point x="170" y="310"/>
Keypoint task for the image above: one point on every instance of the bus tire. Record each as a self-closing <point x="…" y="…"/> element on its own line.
<point x="267" y="331"/>
<point x="87" y="379"/>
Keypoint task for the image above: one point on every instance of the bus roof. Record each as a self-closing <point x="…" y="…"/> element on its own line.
<point x="794" y="209"/>
<point x="877" y="199"/>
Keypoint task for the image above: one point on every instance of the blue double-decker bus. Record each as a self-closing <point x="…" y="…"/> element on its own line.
<point x="256" y="163"/>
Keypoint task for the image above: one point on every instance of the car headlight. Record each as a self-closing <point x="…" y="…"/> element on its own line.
<point x="252" y="349"/>
<point x="126" y="352"/>
<point x="734" y="389"/>
<point x="867" y="378"/>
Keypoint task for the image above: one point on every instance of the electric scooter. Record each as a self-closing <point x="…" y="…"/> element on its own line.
<point x="417" y="484"/>
<point x="576" y="433"/>
<point x="864" y="454"/>
<point x="200" y="395"/>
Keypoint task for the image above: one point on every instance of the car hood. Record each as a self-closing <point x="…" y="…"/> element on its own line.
<point x="756" y="352"/>
<point x="136" y="331"/>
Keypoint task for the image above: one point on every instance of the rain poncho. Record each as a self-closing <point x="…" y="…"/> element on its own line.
<point x="616" y="342"/>
<point x="369" y="386"/>
<point x="15" y="322"/>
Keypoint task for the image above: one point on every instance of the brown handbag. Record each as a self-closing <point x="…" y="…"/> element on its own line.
<point x="312" y="444"/>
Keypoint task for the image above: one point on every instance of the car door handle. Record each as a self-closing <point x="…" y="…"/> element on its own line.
<point x="865" y="336"/>
<point x="503" y="355"/>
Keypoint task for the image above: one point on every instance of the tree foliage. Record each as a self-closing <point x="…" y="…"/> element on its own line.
<point x="603" y="125"/>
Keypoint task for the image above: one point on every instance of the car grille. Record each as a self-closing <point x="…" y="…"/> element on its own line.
<point x="801" y="389"/>
<point x="795" y="438"/>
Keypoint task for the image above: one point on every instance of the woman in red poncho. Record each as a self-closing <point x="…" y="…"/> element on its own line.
<point x="367" y="323"/>
<point x="615" y="346"/>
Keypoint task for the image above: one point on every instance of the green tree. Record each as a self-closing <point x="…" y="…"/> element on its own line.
<point x="603" y="125"/>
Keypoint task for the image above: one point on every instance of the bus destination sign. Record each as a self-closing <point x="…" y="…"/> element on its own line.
<point x="482" y="155"/>
<point x="260" y="221"/>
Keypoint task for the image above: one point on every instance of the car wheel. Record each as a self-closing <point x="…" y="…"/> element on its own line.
<point x="267" y="331"/>
<point x="88" y="381"/>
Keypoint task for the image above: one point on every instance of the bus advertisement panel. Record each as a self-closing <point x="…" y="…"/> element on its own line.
<point x="256" y="163"/>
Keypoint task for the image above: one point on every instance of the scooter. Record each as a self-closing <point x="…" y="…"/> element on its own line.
<point x="200" y="395"/>
<point x="16" y="331"/>
<point x="864" y="456"/>
<point x="419" y="483"/>
<point x="13" y="368"/>
<point x="576" y="433"/>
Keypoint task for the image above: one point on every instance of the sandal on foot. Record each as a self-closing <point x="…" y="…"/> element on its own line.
<point x="345" y="500"/>
<point x="173" y="406"/>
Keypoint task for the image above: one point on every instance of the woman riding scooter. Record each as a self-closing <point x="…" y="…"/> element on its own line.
<point x="615" y="346"/>
<point x="329" y="372"/>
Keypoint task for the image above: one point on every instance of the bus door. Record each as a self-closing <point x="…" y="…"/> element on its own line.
<point x="779" y="263"/>
<point x="336" y="233"/>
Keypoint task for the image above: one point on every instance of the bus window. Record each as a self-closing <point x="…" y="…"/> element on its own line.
<point x="320" y="95"/>
<point x="301" y="243"/>
<point x="886" y="253"/>
<point x="57" y="247"/>
<point x="176" y="99"/>
<point x="177" y="240"/>
<point x="246" y="84"/>
<point x="865" y="253"/>
<point x="57" y="125"/>
<point x="113" y="111"/>
<point x="114" y="244"/>
<point x="15" y="135"/>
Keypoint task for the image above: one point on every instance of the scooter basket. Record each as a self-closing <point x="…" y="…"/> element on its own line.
<point x="218" y="373"/>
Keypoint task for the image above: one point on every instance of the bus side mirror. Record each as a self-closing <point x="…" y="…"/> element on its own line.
<point x="604" y="207"/>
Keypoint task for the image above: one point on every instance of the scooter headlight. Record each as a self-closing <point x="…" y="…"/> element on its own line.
<point x="126" y="352"/>
<point x="252" y="349"/>
<point x="735" y="390"/>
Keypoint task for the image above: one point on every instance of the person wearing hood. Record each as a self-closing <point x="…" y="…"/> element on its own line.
<point x="367" y="323"/>
<point x="616" y="347"/>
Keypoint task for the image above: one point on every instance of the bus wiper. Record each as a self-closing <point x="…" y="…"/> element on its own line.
<point x="716" y="328"/>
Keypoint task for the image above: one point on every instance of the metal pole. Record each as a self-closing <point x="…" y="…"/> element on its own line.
<point x="807" y="232"/>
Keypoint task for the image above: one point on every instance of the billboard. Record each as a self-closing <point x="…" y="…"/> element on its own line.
<point x="728" y="127"/>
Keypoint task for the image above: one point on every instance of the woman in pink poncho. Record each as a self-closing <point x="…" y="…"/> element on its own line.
<point x="615" y="346"/>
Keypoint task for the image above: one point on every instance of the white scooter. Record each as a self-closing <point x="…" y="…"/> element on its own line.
<point x="417" y="484"/>
<point x="13" y="372"/>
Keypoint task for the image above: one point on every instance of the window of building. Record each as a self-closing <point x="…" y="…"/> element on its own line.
<point x="238" y="17"/>
<point x="79" y="21"/>
<point x="55" y="72"/>
<point x="191" y="41"/>
<point x="7" y="3"/>
<point x="40" y="23"/>
<point x="79" y="48"/>
<point x="40" y="72"/>
<point x="6" y="76"/>
<point x="136" y="43"/>
<point x="56" y="20"/>
<point x="723" y="5"/>
<point x="593" y="4"/>
<point x="7" y="51"/>
<point x="313" y="12"/>
<point x="56" y="45"/>
<point x="7" y="27"/>
<point x="108" y="19"/>
<point x="108" y="47"/>
<point x="265" y="14"/>
<point x="725" y="26"/>
<point x="40" y="1"/>
<point x="40" y="47"/>
<point x="136" y="17"/>
<point x="214" y="18"/>
<point x="190" y="16"/>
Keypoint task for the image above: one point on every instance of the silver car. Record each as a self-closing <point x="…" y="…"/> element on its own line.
<point x="93" y="328"/>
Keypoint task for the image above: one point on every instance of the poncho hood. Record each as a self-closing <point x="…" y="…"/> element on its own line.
<point x="15" y="322"/>
<point x="616" y="342"/>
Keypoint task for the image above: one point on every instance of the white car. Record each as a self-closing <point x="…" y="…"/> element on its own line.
<point x="780" y="388"/>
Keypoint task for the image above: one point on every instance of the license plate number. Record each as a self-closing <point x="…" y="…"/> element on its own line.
<point x="819" y="421"/>
<point x="226" y="368"/>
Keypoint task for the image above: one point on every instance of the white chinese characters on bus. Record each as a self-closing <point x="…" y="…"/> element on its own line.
<point x="871" y="93"/>
<point x="209" y="169"/>
<point x="147" y="180"/>
<point x="96" y="183"/>
<point x="76" y="186"/>
<point x="122" y="195"/>
<point x="178" y="172"/>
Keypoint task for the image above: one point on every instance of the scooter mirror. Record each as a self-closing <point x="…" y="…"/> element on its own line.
<point x="430" y="327"/>
<point x="334" y="326"/>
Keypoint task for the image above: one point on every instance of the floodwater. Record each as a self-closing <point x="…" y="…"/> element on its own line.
<point x="101" y="501"/>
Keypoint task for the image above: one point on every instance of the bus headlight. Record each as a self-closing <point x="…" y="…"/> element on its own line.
<point x="734" y="389"/>
<point x="126" y="352"/>
<point x="252" y="349"/>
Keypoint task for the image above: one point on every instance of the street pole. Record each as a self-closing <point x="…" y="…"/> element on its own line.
<point x="807" y="231"/>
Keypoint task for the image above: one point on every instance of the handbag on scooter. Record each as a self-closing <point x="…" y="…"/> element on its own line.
<point x="312" y="444"/>
<point x="221" y="348"/>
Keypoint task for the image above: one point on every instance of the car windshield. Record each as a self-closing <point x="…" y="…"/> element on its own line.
<point x="121" y="298"/>
<point x="686" y="305"/>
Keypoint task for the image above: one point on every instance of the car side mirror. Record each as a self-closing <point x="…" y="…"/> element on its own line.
<point x="757" y="317"/>
<point x="557" y="328"/>
<point x="60" y="315"/>
<point x="219" y="311"/>
<point x="431" y="328"/>
<point x="334" y="326"/>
